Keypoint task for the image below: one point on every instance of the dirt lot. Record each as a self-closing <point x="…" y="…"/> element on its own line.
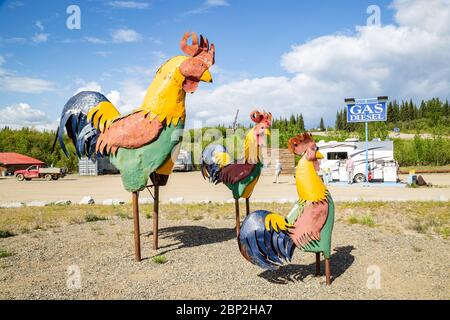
<point x="192" y="187"/>
<point x="203" y="262"/>
<point x="405" y="243"/>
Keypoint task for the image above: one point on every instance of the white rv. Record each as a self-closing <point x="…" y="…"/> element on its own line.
<point x="382" y="165"/>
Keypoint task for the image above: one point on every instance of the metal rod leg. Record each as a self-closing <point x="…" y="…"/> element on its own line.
<point x="155" y="218"/>
<point x="247" y="206"/>
<point x="327" y="271"/>
<point x="137" y="235"/>
<point x="238" y="218"/>
<point x="318" y="264"/>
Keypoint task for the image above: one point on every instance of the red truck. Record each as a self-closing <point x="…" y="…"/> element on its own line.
<point x="35" y="171"/>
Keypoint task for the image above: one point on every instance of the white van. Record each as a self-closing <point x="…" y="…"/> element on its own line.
<point x="382" y="165"/>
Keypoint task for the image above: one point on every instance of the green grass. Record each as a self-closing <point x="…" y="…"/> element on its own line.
<point x="123" y="215"/>
<point x="430" y="217"/>
<point x="160" y="259"/>
<point x="366" y="220"/>
<point x="6" y="234"/>
<point x="90" y="217"/>
<point x="4" y="253"/>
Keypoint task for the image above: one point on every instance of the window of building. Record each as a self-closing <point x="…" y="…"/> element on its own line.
<point x="337" y="155"/>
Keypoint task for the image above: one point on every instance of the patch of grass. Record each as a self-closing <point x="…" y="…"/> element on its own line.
<point x="90" y="217"/>
<point x="148" y="215"/>
<point x="445" y="232"/>
<point x="159" y="259"/>
<point x="352" y="220"/>
<point x="123" y="215"/>
<point x="366" y="220"/>
<point x="6" y="234"/>
<point x="4" y="253"/>
<point x="197" y="218"/>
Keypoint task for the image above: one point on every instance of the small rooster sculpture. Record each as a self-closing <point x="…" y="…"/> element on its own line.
<point x="268" y="239"/>
<point x="145" y="142"/>
<point x="241" y="176"/>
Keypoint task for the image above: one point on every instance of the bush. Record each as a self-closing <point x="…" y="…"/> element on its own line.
<point x="92" y="218"/>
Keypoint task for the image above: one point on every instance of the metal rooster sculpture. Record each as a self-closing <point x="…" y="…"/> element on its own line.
<point x="268" y="239"/>
<point x="240" y="177"/>
<point x="145" y="142"/>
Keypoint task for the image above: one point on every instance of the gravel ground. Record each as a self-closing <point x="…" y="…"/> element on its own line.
<point x="203" y="262"/>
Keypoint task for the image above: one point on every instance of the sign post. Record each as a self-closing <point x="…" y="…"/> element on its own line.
<point x="366" y="110"/>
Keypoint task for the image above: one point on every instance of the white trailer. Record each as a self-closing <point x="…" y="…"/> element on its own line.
<point x="382" y="165"/>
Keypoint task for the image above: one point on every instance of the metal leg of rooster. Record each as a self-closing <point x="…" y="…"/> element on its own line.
<point x="155" y="218"/>
<point x="238" y="217"/>
<point x="247" y="206"/>
<point x="137" y="234"/>
<point x="328" y="271"/>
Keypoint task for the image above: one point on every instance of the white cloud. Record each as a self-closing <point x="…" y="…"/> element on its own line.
<point x="406" y="60"/>
<point x="103" y="53"/>
<point x="88" y="86"/>
<point x="23" y="115"/>
<point x="114" y="97"/>
<point x="40" y="37"/>
<point x="206" y="6"/>
<point x="95" y="40"/>
<point x="2" y="60"/>
<point x="39" y="25"/>
<point x="13" y="83"/>
<point x="216" y="3"/>
<point x="126" y="35"/>
<point x="130" y="4"/>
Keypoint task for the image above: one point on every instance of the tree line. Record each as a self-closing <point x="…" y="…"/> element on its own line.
<point x="431" y="116"/>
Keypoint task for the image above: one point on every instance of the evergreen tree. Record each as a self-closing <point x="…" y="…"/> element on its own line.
<point x="322" y="125"/>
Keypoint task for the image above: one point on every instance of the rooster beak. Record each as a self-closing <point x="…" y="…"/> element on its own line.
<point x="319" y="155"/>
<point x="206" y="77"/>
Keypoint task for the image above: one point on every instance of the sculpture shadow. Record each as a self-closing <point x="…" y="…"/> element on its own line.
<point x="192" y="236"/>
<point x="340" y="260"/>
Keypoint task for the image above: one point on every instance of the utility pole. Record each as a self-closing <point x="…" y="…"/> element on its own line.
<point x="235" y="121"/>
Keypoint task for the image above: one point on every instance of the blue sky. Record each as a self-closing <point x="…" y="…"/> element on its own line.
<point x="121" y="43"/>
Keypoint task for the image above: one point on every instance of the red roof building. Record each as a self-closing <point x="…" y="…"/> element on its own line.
<point x="15" y="161"/>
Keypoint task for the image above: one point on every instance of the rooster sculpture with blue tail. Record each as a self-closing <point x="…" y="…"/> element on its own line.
<point x="268" y="239"/>
<point x="142" y="144"/>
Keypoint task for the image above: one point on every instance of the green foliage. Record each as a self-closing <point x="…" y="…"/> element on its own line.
<point x="160" y="259"/>
<point x="422" y="152"/>
<point x="93" y="218"/>
<point x="6" y="234"/>
<point x="38" y="144"/>
<point x="5" y="254"/>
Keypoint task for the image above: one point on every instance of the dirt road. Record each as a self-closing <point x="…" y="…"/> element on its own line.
<point x="192" y="188"/>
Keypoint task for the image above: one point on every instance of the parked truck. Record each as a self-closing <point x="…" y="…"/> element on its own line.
<point x="33" y="172"/>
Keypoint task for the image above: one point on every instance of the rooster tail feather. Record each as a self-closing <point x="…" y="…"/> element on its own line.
<point x="262" y="246"/>
<point x="74" y="119"/>
<point x="214" y="158"/>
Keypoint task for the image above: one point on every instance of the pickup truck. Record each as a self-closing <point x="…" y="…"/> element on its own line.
<point x="33" y="172"/>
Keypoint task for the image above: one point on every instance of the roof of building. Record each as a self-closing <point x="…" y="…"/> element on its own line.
<point x="10" y="158"/>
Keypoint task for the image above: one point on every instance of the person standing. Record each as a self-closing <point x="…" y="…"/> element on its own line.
<point x="349" y="167"/>
<point x="278" y="169"/>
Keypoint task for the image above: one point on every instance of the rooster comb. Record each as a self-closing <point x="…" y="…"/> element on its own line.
<point x="197" y="48"/>
<point x="258" y="117"/>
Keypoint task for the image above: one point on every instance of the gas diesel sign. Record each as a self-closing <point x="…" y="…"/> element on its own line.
<point x="366" y="112"/>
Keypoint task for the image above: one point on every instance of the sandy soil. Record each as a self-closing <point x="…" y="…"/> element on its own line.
<point x="192" y="187"/>
<point x="203" y="262"/>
